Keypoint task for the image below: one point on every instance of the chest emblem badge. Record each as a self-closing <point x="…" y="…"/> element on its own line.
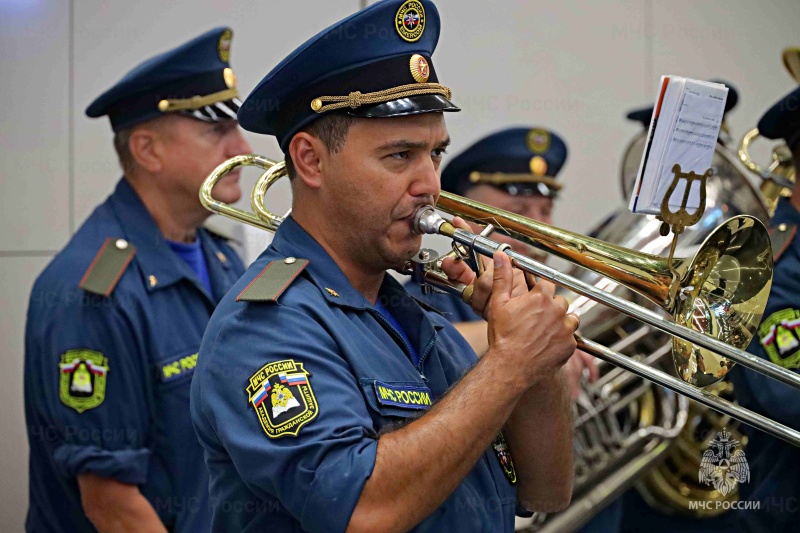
<point x="503" y="454"/>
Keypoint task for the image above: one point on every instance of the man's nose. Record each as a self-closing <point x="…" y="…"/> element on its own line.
<point x="238" y="145"/>
<point x="426" y="180"/>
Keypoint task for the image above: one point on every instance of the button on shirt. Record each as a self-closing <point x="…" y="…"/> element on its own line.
<point x="774" y="465"/>
<point x="362" y="380"/>
<point x="149" y="329"/>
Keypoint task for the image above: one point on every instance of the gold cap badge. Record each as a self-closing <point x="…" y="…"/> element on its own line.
<point x="410" y="20"/>
<point x="224" y="46"/>
<point x="538" y="140"/>
<point x="538" y="165"/>
<point x="420" y="70"/>
<point x="229" y="77"/>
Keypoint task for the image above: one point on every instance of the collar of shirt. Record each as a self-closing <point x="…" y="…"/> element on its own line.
<point x="155" y="258"/>
<point x="291" y="240"/>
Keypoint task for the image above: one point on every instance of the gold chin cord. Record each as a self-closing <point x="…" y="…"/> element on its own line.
<point x="777" y="178"/>
<point x="718" y="305"/>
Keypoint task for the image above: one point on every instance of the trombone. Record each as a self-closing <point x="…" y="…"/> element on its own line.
<point x="722" y="290"/>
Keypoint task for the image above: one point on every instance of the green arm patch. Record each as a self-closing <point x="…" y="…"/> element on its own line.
<point x="780" y="336"/>
<point x="107" y="267"/>
<point x="273" y="280"/>
<point x="82" y="383"/>
<point x="781" y="237"/>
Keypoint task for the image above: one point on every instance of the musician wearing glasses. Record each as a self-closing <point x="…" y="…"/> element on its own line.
<point x="326" y="398"/>
<point x="774" y="464"/>
<point x="115" y="321"/>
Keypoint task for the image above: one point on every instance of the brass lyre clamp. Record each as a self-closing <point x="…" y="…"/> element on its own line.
<point x="681" y="219"/>
<point x="677" y="221"/>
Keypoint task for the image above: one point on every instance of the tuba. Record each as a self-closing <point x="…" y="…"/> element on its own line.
<point x="778" y="178"/>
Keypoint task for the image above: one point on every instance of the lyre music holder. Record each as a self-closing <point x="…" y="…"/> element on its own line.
<point x="677" y="221"/>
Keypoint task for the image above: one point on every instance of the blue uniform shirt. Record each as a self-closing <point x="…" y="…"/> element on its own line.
<point x="289" y="398"/>
<point x="148" y="331"/>
<point x="192" y="253"/>
<point x="774" y="465"/>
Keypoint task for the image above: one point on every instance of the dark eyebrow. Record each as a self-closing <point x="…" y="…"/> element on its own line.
<point x="402" y="145"/>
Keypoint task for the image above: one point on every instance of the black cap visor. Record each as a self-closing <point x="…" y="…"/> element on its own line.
<point x="410" y="105"/>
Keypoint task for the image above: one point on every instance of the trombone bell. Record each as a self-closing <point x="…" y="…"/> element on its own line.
<point x="721" y="291"/>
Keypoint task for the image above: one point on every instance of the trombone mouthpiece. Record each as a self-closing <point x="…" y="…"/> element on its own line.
<point x="427" y="221"/>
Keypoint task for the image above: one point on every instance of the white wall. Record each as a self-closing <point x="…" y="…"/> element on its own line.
<point x="575" y="66"/>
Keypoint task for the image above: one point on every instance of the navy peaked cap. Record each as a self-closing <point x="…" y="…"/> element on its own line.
<point x="375" y="63"/>
<point x="782" y="120"/>
<point x="521" y="161"/>
<point x="194" y="79"/>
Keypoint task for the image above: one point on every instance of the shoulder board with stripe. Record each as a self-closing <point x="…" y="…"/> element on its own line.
<point x="273" y="280"/>
<point x="107" y="267"/>
<point x="781" y="237"/>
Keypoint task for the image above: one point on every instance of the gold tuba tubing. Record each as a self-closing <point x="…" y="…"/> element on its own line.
<point x="778" y="178"/>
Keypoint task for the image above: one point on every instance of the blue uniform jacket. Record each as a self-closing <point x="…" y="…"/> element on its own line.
<point x="774" y="465"/>
<point x="289" y="399"/>
<point x="148" y="331"/>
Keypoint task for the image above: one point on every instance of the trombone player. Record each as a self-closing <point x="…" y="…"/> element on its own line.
<point x="325" y="397"/>
<point x="774" y="464"/>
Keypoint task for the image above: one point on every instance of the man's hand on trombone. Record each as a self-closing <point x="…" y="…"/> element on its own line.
<point x="458" y="270"/>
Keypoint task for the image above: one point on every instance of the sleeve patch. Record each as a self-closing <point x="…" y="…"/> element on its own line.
<point x="273" y="280"/>
<point x="82" y="383"/>
<point x="282" y="397"/>
<point x="780" y="336"/>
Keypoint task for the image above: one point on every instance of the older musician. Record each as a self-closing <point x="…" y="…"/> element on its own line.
<point x="115" y="320"/>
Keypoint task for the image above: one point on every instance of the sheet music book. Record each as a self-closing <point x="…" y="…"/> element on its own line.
<point x="683" y="129"/>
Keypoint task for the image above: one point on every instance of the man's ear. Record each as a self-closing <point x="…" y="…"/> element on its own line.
<point x="307" y="153"/>
<point x="147" y="149"/>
